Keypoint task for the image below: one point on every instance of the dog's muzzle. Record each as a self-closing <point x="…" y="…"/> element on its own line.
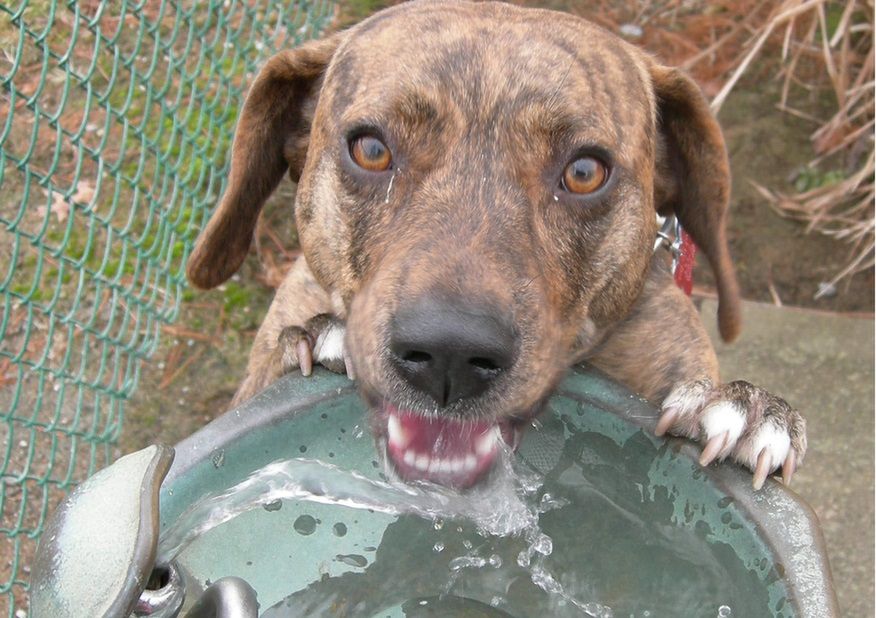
<point x="449" y="351"/>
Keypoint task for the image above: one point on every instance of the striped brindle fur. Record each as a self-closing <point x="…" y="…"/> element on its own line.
<point x="470" y="239"/>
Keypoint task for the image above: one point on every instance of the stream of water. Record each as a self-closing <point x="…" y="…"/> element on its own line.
<point x="504" y="507"/>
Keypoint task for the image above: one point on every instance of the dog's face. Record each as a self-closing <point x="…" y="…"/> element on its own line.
<point x="478" y="186"/>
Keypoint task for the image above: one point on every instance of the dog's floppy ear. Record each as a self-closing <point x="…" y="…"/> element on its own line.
<point x="693" y="181"/>
<point x="271" y="137"/>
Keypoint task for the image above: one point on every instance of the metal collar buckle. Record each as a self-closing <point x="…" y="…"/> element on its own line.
<point x="669" y="237"/>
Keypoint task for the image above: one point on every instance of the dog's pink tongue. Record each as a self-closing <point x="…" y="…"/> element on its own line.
<point x="440" y="449"/>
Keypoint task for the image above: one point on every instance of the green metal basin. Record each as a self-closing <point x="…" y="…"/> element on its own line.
<point x="644" y="524"/>
<point x="615" y="518"/>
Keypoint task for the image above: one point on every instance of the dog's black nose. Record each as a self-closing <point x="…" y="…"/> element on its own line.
<point x="450" y="350"/>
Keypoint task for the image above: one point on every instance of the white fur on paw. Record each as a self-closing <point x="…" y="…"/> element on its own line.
<point x="723" y="418"/>
<point x="329" y="346"/>
<point x="769" y="437"/>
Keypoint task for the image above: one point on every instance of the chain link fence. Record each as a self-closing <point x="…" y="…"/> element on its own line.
<point x="116" y="119"/>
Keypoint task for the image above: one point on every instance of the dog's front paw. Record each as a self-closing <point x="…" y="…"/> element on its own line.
<point x="740" y="421"/>
<point x="321" y="340"/>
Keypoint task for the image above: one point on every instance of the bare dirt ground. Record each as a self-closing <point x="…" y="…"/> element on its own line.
<point x="769" y="147"/>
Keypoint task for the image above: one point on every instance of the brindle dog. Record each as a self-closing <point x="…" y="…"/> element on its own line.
<point x="477" y="189"/>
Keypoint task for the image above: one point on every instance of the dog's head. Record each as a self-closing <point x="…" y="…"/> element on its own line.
<point x="477" y="188"/>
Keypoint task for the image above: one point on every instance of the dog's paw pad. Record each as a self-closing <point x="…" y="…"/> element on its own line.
<point x="738" y="421"/>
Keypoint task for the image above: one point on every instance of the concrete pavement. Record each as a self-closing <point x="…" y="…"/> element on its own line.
<point x="823" y="364"/>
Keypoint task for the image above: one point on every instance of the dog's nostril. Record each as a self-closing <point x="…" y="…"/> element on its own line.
<point x="484" y="363"/>
<point x="415" y="356"/>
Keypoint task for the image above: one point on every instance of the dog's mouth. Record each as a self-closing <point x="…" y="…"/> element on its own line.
<point x="442" y="449"/>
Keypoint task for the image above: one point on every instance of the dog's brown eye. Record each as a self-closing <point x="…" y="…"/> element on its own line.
<point x="584" y="175"/>
<point x="370" y="154"/>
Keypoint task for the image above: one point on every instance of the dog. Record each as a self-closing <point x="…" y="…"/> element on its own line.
<point x="478" y="190"/>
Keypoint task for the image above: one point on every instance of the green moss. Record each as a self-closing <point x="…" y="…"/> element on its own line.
<point x="810" y="178"/>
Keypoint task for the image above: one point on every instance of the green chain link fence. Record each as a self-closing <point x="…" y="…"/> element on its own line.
<point x="116" y="119"/>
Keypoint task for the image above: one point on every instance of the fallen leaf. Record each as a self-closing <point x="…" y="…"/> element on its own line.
<point x="84" y="192"/>
<point x="60" y="207"/>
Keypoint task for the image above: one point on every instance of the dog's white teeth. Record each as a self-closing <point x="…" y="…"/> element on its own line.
<point x="422" y="462"/>
<point x="456" y="465"/>
<point x="446" y="466"/>
<point x="409" y="458"/>
<point x="484" y="445"/>
<point x="396" y="433"/>
<point x="470" y="463"/>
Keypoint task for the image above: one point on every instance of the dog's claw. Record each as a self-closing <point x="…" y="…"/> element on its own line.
<point x="666" y="421"/>
<point x="294" y="351"/>
<point x="789" y="467"/>
<point x="763" y="469"/>
<point x="714" y="446"/>
<point x="305" y="357"/>
<point x="348" y="364"/>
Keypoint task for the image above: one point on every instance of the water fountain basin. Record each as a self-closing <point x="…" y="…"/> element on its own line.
<point x="645" y="530"/>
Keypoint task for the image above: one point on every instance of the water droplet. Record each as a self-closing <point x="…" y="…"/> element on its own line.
<point x="439" y="523"/>
<point x="438" y="547"/>
<point x="724" y="612"/>
<point x="305" y="525"/>
<point x="543" y="545"/>
<point x="495" y="561"/>
<point x="467" y="544"/>
<point x="463" y="562"/>
<point x="339" y="529"/>
<point x="496" y="601"/>
<point x="274" y="505"/>
<point x="302" y="449"/>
